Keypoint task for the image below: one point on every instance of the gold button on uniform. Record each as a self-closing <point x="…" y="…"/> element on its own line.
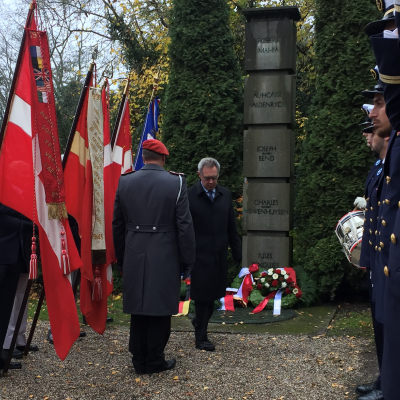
<point x="370" y="243"/>
<point x="366" y="209"/>
<point x="365" y="219"/>
<point x="387" y="201"/>
<point x="381" y="244"/>
<point x="370" y="231"/>
<point x="376" y="247"/>
<point x="379" y="203"/>
<point x="386" y="271"/>
<point x="376" y="232"/>
<point x="388" y="179"/>
<point x="370" y="219"/>
<point x="379" y="248"/>
<point x="383" y="222"/>
<point x="393" y="238"/>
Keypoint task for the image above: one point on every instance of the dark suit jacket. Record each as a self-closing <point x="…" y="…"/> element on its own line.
<point x="215" y="229"/>
<point x="153" y="233"/>
<point x="15" y="237"/>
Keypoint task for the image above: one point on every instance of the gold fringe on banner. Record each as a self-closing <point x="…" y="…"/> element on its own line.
<point x="57" y="211"/>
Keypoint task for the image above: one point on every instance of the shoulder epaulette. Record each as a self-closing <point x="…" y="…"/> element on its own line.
<point x="128" y="173"/>
<point x="177" y="173"/>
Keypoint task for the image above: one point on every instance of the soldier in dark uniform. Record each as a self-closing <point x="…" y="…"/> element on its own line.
<point x="388" y="59"/>
<point x="215" y="228"/>
<point x="153" y="235"/>
<point x="379" y="141"/>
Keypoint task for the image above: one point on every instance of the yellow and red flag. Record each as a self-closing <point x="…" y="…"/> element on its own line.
<point x="89" y="198"/>
<point x="32" y="181"/>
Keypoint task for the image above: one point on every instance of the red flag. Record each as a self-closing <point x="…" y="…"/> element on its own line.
<point x="32" y="179"/>
<point x="122" y="148"/>
<point x="90" y="198"/>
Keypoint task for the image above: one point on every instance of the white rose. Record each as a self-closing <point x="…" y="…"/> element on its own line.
<point x="284" y="284"/>
<point x="275" y="276"/>
<point x="283" y="272"/>
<point x="266" y="285"/>
<point x="270" y="271"/>
<point x="295" y="290"/>
<point x="286" y="276"/>
<point x="262" y="279"/>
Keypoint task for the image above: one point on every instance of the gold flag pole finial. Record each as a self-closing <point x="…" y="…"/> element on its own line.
<point x="126" y="86"/>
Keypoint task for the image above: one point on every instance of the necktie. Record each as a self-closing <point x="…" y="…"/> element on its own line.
<point x="210" y="195"/>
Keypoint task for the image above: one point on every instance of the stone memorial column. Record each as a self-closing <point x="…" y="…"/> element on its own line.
<point x="268" y="147"/>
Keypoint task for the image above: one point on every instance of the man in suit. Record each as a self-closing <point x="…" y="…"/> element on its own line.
<point x="369" y="251"/>
<point x="15" y="230"/>
<point x="214" y="223"/>
<point x="153" y="235"/>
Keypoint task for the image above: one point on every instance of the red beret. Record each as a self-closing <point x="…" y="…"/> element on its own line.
<point x="156" y="146"/>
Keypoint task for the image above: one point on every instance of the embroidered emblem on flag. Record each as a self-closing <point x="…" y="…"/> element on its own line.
<point x="42" y="77"/>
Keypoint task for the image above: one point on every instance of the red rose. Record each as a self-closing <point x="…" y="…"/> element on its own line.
<point x="298" y="295"/>
<point x="264" y="274"/>
<point x="253" y="267"/>
<point x="274" y="283"/>
<point x="287" y="291"/>
<point x="289" y="280"/>
<point x="259" y="286"/>
<point x="278" y="271"/>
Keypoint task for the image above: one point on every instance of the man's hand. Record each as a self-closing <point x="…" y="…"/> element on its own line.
<point x="187" y="271"/>
<point x="360" y="203"/>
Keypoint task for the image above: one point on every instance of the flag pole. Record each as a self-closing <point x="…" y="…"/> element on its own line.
<point x="77" y="114"/>
<point x="32" y="7"/>
<point x="119" y="116"/>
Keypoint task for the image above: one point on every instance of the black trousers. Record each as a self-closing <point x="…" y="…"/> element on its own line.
<point x="204" y="310"/>
<point x="9" y="275"/>
<point x="148" y="337"/>
<point x="378" y="333"/>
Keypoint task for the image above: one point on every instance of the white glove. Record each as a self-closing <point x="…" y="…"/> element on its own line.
<point x="360" y="203"/>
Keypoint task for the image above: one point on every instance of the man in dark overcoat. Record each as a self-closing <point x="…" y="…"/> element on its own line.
<point x="214" y="223"/>
<point x="15" y="234"/>
<point x="153" y="235"/>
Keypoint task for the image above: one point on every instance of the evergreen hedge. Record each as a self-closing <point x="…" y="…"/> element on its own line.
<point x="334" y="157"/>
<point x="203" y="107"/>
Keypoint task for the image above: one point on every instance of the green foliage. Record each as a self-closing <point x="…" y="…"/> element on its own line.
<point x="256" y="297"/>
<point x="67" y="98"/>
<point x="203" y="102"/>
<point x="308" y="287"/>
<point x="183" y="289"/>
<point x="236" y="282"/>
<point x="334" y="159"/>
<point x="288" y="301"/>
<point x="117" y="280"/>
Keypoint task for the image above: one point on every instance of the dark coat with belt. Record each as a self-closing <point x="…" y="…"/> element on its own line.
<point x="215" y="230"/>
<point x="15" y="238"/>
<point x="153" y="234"/>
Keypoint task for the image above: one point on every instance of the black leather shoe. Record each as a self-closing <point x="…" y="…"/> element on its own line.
<point x="109" y="319"/>
<point x="32" y="347"/>
<point x="366" y="388"/>
<point x="82" y="334"/>
<point x="205" y="345"/>
<point x="168" y="364"/>
<point x="15" y="354"/>
<point x="13" y="365"/>
<point x="374" y="395"/>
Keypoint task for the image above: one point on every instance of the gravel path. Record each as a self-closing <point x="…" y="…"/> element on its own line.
<point x="242" y="367"/>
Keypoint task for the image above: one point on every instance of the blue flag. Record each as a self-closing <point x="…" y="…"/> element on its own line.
<point x="150" y="130"/>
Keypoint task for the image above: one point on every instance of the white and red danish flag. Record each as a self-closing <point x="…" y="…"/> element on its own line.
<point x="122" y="161"/>
<point x="31" y="178"/>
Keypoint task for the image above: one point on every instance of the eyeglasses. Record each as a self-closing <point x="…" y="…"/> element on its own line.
<point x="209" y="178"/>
